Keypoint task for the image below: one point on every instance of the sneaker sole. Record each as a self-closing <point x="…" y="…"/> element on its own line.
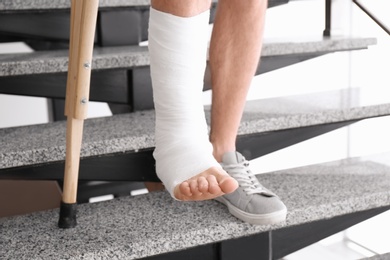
<point x="255" y="219"/>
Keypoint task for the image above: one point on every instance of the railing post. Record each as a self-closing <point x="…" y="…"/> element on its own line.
<point x="328" y="17"/>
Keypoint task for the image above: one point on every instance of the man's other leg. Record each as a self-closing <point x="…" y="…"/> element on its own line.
<point x="234" y="55"/>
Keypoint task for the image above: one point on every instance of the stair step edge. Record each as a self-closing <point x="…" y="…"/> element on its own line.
<point x="135" y="56"/>
<point x="145" y="225"/>
<point x="30" y="145"/>
<point x="10" y="5"/>
<point x="385" y="256"/>
<point x="40" y="5"/>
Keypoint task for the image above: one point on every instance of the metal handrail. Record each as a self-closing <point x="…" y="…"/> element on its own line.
<point x="372" y="16"/>
<point x="328" y="15"/>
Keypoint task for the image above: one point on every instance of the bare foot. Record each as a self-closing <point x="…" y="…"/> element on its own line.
<point x="207" y="185"/>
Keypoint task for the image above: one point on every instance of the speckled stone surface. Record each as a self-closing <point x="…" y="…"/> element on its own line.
<point x="22" y="5"/>
<point x="131" y="132"/>
<point x="133" y="56"/>
<point x="134" y="227"/>
<point x="14" y="5"/>
<point x="379" y="257"/>
<point x="57" y="61"/>
<point x="282" y="46"/>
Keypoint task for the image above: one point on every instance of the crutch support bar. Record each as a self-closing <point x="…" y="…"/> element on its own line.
<point x="82" y="34"/>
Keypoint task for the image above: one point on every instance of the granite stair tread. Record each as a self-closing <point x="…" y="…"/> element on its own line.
<point x="135" y="56"/>
<point x="37" y="144"/>
<point x="378" y="257"/>
<point x="151" y="224"/>
<point x="39" y="5"/>
<point x="12" y="5"/>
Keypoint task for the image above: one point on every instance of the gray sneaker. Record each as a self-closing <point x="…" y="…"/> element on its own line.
<point x="251" y="202"/>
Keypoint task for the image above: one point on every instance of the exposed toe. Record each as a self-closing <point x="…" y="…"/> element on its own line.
<point x="205" y="186"/>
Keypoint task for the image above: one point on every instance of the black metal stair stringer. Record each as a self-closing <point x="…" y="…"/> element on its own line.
<point x="256" y="145"/>
<point x="288" y="240"/>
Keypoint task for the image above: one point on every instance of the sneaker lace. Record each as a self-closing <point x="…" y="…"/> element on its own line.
<point x="245" y="178"/>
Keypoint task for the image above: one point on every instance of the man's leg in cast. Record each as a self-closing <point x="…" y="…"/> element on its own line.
<point x="178" y="46"/>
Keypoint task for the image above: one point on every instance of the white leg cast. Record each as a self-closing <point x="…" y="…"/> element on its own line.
<point x="178" y="49"/>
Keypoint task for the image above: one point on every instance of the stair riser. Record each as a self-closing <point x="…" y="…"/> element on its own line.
<point x="54" y="26"/>
<point x="115" y="27"/>
<point x="271" y="63"/>
<point x="139" y="166"/>
<point x="131" y="87"/>
<point x="107" y="85"/>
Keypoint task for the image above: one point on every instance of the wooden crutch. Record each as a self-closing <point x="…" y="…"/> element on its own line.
<point x="82" y="34"/>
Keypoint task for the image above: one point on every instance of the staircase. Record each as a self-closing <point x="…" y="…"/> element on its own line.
<point x="322" y="199"/>
<point x="380" y="257"/>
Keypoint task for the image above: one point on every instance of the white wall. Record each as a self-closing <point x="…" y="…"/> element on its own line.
<point x="364" y="69"/>
<point x="17" y="110"/>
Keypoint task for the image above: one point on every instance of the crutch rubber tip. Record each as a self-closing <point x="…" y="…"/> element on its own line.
<point x="68" y="215"/>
